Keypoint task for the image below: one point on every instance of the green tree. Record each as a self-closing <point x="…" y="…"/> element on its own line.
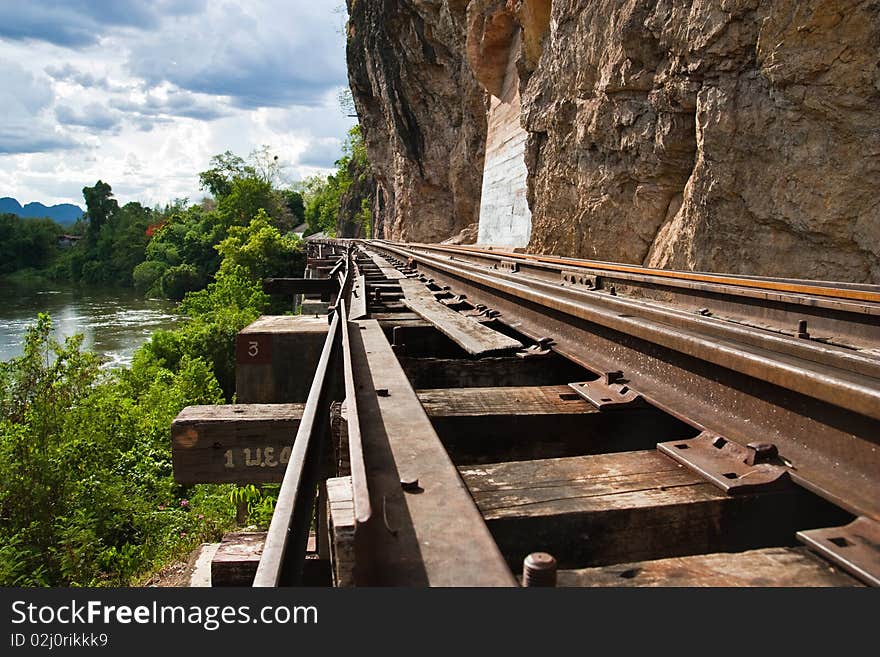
<point x="27" y="243"/>
<point x="293" y="199"/>
<point x="323" y="196"/>
<point x="86" y="468"/>
<point x="225" y="168"/>
<point x="246" y="197"/>
<point x="100" y="208"/>
<point x="261" y="251"/>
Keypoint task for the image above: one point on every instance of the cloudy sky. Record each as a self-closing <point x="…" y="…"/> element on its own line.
<point x="141" y="93"/>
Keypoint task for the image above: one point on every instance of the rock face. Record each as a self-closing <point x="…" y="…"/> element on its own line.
<point x="494" y="42"/>
<point x="726" y="135"/>
<point x="422" y="114"/>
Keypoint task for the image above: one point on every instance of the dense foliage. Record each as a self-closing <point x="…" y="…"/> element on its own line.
<point x="27" y="243"/>
<point x="323" y="196"/>
<point x="163" y="252"/>
<point x="87" y="495"/>
<point x="169" y="251"/>
<point x="88" y="498"/>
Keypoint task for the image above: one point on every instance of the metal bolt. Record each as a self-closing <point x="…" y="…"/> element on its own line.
<point x="761" y="453"/>
<point x="539" y="569"/>
<point x="613" y="377"/>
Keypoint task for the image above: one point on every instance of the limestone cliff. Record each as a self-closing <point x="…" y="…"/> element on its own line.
<point x="421" y="112"/>
<point x="728" y="135"/>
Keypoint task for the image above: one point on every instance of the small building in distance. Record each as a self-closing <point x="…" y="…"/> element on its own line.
<point x="66" y="241"/>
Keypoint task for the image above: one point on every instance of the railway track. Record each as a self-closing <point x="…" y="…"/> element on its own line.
<point x="515" y="418"/>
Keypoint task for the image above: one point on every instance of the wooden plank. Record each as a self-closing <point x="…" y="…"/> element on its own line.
<point x="236" y="559"/>
<point x="630" y="506"/>
<point x="389" y="286"/>
<point x="428" y="533"/>
<point x="265" y="351"/>
<point x="323" y="286"/>
<point x="777" y="566"/>
<point x="358" y="299"/>
<point x="514" y="400"/>
<point x="388" y="270"/>
<point x="340" y="514"/>
<point x="491" y="372"/>
<point x="397" y="317"/>
<point x="470" y="335"/>
<point x="233" y="443"/>
<point x="487" y="425"/>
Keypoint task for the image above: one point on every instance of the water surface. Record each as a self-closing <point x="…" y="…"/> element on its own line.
<point x="115" y="322"/>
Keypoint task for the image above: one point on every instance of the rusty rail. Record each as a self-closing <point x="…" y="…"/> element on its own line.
<point x="853" y="292"/>
<point x="284" y="552"/>
<point x="819" y="404"/>
<point x="815" y="311"/>
<point x="764" y="406"/>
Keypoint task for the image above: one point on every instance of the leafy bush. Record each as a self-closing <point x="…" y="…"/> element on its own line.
<point x="323" y="196"/>
<point x="88" y="498"/>
<point x="147" y="274"/>
<point x="176" y="281"/>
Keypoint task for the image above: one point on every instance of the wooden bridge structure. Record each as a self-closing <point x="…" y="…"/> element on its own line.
<point x="463" y="416"/>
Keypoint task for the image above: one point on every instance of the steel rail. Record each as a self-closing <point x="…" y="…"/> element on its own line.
<point x="851" y="324"/>
<point x="774" y="285"/>
<point x="282" y="560"/>
<point x="360" y="488"/>
<point x="285" y="548"/>
<point x="426" y="529"/>
<point x="824" y="419"/>
<point x="782" y="357"/>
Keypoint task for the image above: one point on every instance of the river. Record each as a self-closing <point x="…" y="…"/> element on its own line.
<point x="115" y="322"/>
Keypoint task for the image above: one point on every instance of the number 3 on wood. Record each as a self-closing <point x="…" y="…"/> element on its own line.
<point x="253" y="348"/>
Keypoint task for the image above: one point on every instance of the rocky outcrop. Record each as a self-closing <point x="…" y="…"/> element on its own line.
<point x="733" y="135"/>
<point x="422" y="115"/>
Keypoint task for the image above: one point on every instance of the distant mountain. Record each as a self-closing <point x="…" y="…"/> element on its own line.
<point x="63" y="213"/>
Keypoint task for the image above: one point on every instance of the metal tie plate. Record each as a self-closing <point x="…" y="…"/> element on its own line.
<point x="854" y="547"/>
<point x="609" y="393"/>
<point x="730" y="466"/>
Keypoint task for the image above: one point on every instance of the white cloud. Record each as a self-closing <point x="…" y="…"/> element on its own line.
<point x="80" y="23"/>
<point x="27" y="125"/>
<point x="261" y="53"/>
<point x="93" y="115"/>
<point x="143" y="99"/>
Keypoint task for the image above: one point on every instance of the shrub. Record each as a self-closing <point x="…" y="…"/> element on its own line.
<point x="147" y="274"/>
<point x="88" y="497"/>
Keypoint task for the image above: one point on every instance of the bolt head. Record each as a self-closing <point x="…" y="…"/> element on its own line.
<point x="540" y="561"/>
